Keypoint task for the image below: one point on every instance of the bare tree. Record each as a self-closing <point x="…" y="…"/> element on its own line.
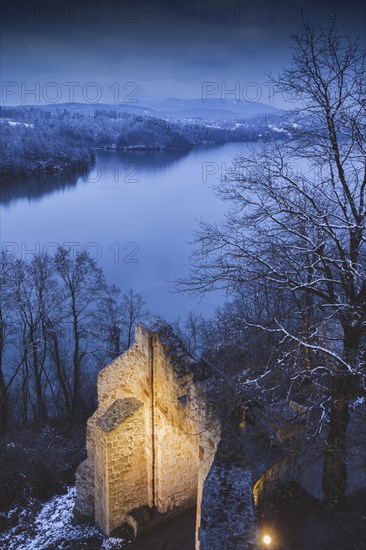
<point x="8" y="328"/>
<point x="4" y="334"/>
<point x="132" y="310"/>
<point x="29" y="287"/>
<point x="59" y="324"/>
<point x="193" y="333"/>
<point x="83" y="290"/>
<point x="112" y="323"/>
<point x="297" y="222"/>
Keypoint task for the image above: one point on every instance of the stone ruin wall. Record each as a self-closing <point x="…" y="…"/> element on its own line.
<point x="208" y="442"/>
<point x="176" y="437"/>
<point x="120" y="464"/>
<point x="154" y="443"/>
<point x="126" y="377"/>
<point x="228" y="516"/>
<point x="147" y="442"/>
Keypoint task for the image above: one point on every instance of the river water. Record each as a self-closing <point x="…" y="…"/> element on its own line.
<point x="135" y="212"/>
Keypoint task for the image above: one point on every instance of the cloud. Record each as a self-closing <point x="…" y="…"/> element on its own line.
<point x="152" y="41"/>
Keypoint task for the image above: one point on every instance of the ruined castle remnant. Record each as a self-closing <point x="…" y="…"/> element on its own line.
<point x="152" y="442"/>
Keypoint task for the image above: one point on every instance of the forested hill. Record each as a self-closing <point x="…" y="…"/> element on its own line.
<point x="55" y="140"/>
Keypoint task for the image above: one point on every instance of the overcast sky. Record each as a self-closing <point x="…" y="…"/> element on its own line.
<point x="122" y="51"/>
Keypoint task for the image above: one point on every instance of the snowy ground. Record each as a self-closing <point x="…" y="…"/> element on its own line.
<point x="52" y="528"/>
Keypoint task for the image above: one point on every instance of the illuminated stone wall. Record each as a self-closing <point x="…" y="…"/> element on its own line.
<point x="120" y="463"/>
<point x="128" y="376"/>
<point x="143" y="441"/>
<point x="152" y="445"/>
<point x="176" y="434"/>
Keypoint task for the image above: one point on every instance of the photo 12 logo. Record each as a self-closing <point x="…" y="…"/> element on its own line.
<point x="252" y="92"/>
<point x="13" y="92"/>
<point x="126" y="253"/>
<point x="272" y="12"/>
<point x="120" y="172"/>
<point x="221" y="172"/>
<point x="71" y="12"/>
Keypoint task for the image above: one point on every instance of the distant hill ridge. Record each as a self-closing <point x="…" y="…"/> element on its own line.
<point x="175" y="109"/>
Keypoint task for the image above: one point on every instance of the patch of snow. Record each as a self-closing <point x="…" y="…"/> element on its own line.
<point x="358" y="401"/>
<point x="276" y="128"/>
<point x="52" y="526"/>
<point x="14" y="123"/>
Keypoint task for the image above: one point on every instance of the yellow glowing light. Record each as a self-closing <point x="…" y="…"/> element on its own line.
<point x="267" y="539"/>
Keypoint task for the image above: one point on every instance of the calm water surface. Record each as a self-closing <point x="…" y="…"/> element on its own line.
<point x="135" y="212"/>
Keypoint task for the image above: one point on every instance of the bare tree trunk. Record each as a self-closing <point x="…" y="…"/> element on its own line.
<point x="60" y="371"/>
<point x="25" y="393"/>
<point x="115" y="340"/>
<point x="38" y="372"/>
<point x="76" y="393"/>
<point x="4" y="401"/>
<point x="335" y="467"/>
<point x="335" y="455"/>
<point x="4" y="409"/>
